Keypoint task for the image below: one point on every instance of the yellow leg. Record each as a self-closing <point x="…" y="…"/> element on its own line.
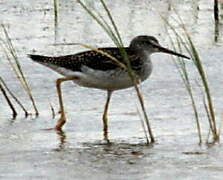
<point x="61" y="121"/>
<point x="105" y="118"/>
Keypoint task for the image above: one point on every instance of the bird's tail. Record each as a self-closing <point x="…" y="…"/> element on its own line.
<point x="57" y="64"/>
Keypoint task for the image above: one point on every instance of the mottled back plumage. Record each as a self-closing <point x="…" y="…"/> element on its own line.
<point x="91" y="59"/>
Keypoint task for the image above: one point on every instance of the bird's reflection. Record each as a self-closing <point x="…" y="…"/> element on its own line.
<point x="62" y="140"/>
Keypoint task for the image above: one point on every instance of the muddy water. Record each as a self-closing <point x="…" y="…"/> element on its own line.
<point x="30" y="152"/>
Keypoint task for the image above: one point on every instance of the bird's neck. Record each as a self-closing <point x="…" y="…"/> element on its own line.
<point x="142" y="53"/>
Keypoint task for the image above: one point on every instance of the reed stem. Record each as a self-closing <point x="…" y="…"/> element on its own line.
<point x="17" y="68"/>
<point x="14" y="97"/>
<point x="14" y="113"/>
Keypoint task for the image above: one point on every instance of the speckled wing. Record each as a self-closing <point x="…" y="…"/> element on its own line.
<point x="91" y="59"/>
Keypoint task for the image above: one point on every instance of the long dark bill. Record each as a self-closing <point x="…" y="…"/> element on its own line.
<point x="168" y="51"/>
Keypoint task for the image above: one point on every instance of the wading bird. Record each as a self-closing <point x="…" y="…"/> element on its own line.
<point x="93" y="69"/>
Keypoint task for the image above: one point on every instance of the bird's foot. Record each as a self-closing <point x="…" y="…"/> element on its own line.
<point x="107" y="142"/>
<point x="60" y="122"/>
<point x="54" y="128"/>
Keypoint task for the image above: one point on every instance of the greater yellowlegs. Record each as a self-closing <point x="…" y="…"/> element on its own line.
<point x="95" y="70"/>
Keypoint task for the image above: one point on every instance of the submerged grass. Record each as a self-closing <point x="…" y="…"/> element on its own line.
<point x="14" y="112"/>
<point x="14" y="97"/>
<point x="14" y="63"/>
<point x="113" y="32"/>
<point x="187" y="43"/>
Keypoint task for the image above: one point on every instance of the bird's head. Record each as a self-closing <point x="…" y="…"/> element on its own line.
<point x="151" y="45"/>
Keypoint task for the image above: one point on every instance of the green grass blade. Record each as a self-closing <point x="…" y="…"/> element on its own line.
<point x="181" y="67"/>
<point x="190" y="48"/>
<point x="113" y="24"/>
<point x="104" y="27"/>
<point x="206" y="87"/>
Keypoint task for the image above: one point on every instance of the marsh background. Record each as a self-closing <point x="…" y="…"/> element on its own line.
<point x="29" y="152"/>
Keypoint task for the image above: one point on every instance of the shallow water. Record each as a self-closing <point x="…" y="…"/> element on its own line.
<point x="30" y="152"/>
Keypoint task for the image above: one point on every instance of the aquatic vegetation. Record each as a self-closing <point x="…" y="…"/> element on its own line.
<point x="185" y="42"/>
<point x="13" y="60"/>
<point x="56" y="11"/>
<point x="182" y="69"/>
<point x="2" y="89"/>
